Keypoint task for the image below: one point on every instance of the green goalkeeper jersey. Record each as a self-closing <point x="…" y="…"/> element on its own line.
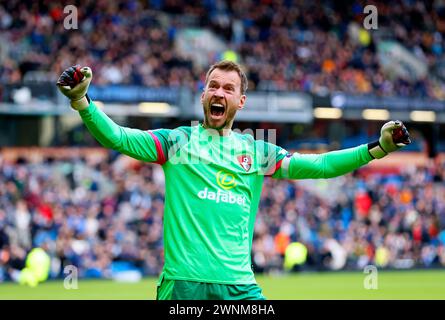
<point x="213" y="185"/>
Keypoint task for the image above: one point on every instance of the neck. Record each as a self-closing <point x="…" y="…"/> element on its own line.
<point x="224" y="130"/>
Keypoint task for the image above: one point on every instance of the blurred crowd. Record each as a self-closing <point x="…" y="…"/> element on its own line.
<point x="390" y="220"/>
<point x="97" y="214"/>
<point x="284" y="45"/>
<point x="86" y="214"/>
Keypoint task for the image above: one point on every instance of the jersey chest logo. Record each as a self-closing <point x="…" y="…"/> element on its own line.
<point x="245" y="161"/>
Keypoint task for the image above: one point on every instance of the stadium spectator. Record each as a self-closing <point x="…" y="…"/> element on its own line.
<point x="304" y="46"/>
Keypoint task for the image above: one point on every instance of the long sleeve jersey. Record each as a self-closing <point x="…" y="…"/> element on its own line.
<point x="213" y="185"/>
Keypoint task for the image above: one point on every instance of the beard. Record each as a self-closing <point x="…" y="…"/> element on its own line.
<point x="210" y="123"/>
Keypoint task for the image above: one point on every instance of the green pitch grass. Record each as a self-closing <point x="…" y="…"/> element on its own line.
<point x="304" y="286"/>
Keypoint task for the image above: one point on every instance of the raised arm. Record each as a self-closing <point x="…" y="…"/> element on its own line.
<point x="138" y="144"/>
<point x="327" y="165"/>
<point x="393" y="136"/>
<point x="135" y="143"/>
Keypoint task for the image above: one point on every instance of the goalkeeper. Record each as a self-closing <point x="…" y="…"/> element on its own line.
<point x="213" y="181"/>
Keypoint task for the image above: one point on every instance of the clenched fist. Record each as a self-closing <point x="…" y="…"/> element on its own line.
<point x="74" y="83"/>
<point x="393" y="136"/>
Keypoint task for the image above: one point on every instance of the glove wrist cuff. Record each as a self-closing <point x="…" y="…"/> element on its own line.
<point x="80" y="104"/>
<point x="376" y="150"/>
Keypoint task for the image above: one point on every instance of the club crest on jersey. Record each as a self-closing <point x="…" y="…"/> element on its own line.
<point x="245" y="161"/>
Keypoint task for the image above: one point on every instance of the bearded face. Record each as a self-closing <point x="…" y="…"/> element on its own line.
<point x="221" y="99"/>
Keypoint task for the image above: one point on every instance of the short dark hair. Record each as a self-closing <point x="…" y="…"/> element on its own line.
<point x="227" y="65"/>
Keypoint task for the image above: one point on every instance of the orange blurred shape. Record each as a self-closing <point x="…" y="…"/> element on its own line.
<point x="328" y="66"/>
<point x="406" y="196"/>
<point x="281" y="242"/>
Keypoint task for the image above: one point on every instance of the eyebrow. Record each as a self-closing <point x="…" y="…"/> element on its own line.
<point x="225" y="85"/>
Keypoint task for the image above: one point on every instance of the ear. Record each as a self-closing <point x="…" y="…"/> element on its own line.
<point x="242" y="101"/>
<point x="202" y="96"/>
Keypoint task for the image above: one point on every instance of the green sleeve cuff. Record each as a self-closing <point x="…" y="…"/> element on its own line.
<point x="364" y="150"/>
<point x="91" y="108"/>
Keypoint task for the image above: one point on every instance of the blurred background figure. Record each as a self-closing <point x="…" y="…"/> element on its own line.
<point x="36" y="270"/>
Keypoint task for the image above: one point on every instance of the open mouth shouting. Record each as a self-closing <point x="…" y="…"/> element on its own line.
<point x="217" y="111"/>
